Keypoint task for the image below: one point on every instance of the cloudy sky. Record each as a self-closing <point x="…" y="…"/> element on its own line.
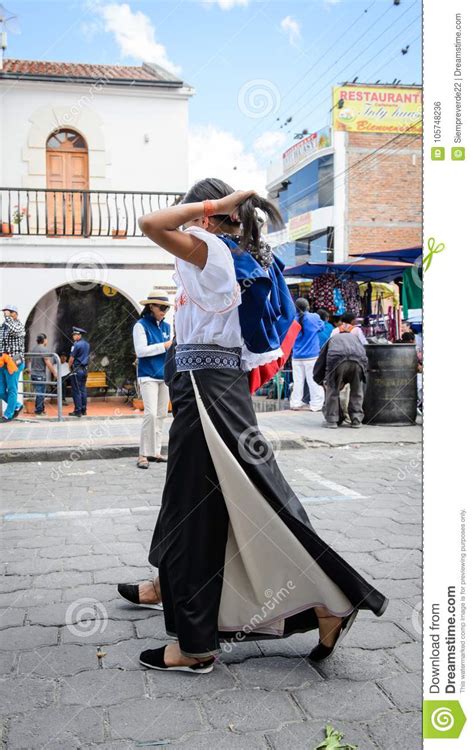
<point x="253" y="63"/>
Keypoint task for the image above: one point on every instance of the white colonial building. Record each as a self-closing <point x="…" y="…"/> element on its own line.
<point x="85" y="151"/>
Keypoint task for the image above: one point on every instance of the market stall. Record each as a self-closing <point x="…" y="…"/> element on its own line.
<point x="369" y="290"/>
<point x="364" y="288"/>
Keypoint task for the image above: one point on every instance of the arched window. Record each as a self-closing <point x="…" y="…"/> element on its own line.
<point x="66" y="140"/>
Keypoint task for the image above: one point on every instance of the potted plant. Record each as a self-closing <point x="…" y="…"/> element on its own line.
<point x="17" y="217"/>
<point x="19" y="214"/>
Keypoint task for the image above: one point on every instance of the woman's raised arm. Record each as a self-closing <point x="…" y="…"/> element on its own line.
<point x="162" y="227"/>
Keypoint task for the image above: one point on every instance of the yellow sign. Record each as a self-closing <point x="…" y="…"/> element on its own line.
<point x="299" y="226"/>
<point x="109" y="291"/>
<point x="377" y="109"/>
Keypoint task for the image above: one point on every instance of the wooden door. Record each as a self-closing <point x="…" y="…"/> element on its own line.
<point x="67" y="169"/>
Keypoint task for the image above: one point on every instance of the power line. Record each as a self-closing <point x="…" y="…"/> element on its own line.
<point x="301" y="78"/>
<point x="341" y="71"/>
<point x="378" y="160"/>
<point x="329" y="98"/>
<point x="371" y="155"/>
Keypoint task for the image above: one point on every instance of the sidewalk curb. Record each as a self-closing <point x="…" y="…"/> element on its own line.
<point x="81" y="453"/>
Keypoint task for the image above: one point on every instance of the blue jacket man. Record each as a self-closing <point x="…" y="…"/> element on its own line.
<point x="305" y="353"/>
<point x="78" y="362"/>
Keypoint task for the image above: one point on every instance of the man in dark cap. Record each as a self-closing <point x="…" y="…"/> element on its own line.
<point x="78" y="362"/>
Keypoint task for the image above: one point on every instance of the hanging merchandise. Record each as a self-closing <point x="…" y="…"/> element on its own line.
<point x="322" y="292"/>
<point x="412" y="294"/>
<point x="339" y="302"/>
<point x="366" y="293"/>
<point x="335" y="294"/>
<point x="388" y="293"/>
<point x="352" y="298"/>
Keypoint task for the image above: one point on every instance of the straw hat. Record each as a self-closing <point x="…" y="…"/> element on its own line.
<point x="156" y="297"/>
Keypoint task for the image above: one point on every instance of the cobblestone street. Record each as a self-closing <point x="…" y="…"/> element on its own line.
<point x="72" y="530"/>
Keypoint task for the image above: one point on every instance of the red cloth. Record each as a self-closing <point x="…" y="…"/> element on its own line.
<point x="261" y="375"/>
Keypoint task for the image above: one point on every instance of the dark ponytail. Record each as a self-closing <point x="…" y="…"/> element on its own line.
<point x="250" y="222"/>
<point x="212" y="188"/>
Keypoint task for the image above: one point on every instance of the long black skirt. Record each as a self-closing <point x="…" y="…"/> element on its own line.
<point x="237" y="555"/>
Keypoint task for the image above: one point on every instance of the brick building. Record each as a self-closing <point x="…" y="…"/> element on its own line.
<point x="384" y="193"/>
<point x="352" y="190"/>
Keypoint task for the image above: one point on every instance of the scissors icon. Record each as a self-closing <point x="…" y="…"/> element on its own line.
<point x="433" y="249"/>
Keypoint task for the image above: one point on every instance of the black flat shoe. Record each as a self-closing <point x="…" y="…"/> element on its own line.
<point x="321" y="652"/>
<point x="130" y="592"/>
<point x="74" y="414"/>
<point x="154" y="658"/>
<point x="382" y="609"/>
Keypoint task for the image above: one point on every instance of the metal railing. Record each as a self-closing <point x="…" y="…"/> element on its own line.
<point x="57" y="394"/>
<point x="77" y="213"/>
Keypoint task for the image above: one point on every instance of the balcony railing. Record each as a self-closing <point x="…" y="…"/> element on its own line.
<point x="77" y="213"/>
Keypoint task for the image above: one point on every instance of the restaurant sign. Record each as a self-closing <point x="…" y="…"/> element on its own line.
<point x="377" y="109"/>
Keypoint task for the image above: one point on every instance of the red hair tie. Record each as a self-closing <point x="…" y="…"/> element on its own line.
<point x="209" y="209"/>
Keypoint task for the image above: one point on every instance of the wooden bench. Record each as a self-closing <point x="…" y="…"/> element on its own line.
<point x="97" y="380"/>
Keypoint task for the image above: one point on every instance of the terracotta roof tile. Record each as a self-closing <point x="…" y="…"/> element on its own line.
<point x="146" y="73"/>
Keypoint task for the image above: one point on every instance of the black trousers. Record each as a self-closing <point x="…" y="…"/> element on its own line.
<point x="79" y="390"/>
<point x="191" y="534"/>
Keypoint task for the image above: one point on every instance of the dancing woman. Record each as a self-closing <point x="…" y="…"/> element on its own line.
<point x="237" y="555"/>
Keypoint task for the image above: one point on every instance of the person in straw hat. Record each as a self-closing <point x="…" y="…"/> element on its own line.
<point x="151" y="339"/>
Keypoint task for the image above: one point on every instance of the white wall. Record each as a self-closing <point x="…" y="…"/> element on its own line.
<point x="340" y="196"/>
<point x="80" y="261"/>
<point x="113" y="120"/>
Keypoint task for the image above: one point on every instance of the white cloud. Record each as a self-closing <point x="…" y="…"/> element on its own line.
<point x="269" y="143"/>
<point x="226" y="4"/>
<point x="291" y="27"/>
<point x="134" y="33"/>
<point x="215" y="153"/>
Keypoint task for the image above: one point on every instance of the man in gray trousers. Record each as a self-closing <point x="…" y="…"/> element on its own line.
<point x="342" y="360"/>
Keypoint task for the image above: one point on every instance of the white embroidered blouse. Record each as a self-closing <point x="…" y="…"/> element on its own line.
<point x="207" y="300"/>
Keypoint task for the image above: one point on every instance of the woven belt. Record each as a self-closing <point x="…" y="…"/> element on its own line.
<point x="207" y="357"/>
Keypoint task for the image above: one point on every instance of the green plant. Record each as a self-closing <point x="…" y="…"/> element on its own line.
<point x="333" y="741"/>
<point x="18" y="214"/>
